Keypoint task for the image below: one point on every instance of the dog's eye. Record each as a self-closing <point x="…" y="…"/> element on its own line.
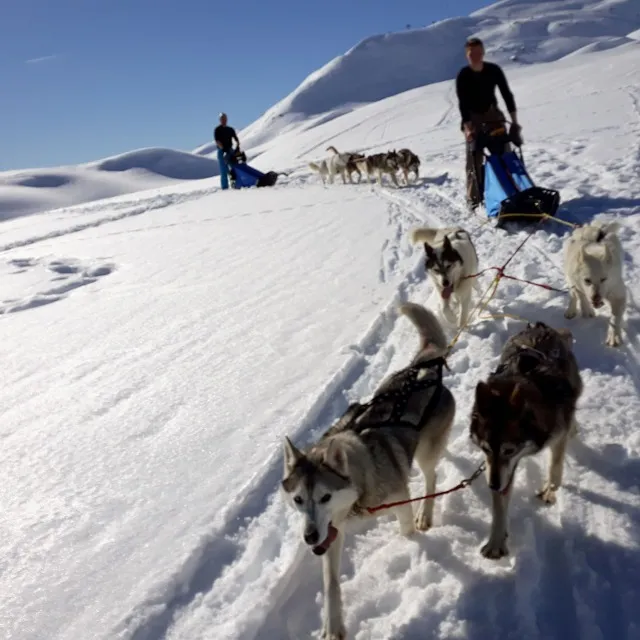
<point x="508" y="450"/>
<point x="587" y="281"/>
<point x="298" y="500"/>
<point x="325" y="498"/>
<point x="603" y="279"/>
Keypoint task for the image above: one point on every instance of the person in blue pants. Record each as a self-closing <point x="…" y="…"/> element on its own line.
<point x="224" y="136"/>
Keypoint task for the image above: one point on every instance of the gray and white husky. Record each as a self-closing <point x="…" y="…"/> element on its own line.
<point x="450" y="261"/>
<point x="408" y="162"/>
<point x="378" y="164"/>
<point x="365" y="458"/>
<point x="593" y="270"/>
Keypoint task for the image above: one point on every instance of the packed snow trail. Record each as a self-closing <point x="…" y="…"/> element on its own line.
<point x="539" y="546"/>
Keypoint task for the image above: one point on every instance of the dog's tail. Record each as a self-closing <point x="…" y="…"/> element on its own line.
<point x="423" y="234"/>
<point x="433" y="341"/>
<point x="315" y="167"/>
<point x="332" y="148"/>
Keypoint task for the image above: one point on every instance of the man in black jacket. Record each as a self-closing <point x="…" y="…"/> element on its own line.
<point x="475" y="87"/>
<point x="224" y="137"/>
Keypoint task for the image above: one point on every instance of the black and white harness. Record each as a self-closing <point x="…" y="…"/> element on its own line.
<point x="389" y="407"/>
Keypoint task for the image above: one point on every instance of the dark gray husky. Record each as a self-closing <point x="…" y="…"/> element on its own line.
<point x="526" y="405"/>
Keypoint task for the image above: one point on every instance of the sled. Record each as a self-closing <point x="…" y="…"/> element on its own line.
<point x="242" y="175"/>
<point x="510" y="195"/>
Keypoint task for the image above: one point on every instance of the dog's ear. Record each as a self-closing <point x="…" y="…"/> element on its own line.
<point x="485" y="398"/>
<point x="336" y="458"/>
<point x="607" y="229"/>
<point x="291" y="455"/>
<point x="516" y="399"/>
<point x="430" y="251"/>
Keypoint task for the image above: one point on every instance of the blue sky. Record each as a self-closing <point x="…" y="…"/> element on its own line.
<point x="85" y="79"/>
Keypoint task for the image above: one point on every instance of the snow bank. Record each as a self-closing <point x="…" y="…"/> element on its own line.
<point x="27" y="192"/>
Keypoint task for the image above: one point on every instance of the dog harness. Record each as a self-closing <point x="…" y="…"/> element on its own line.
<point x="390" y="407"/>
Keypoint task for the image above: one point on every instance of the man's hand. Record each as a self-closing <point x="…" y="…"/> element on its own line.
<point x="469" y="131"/>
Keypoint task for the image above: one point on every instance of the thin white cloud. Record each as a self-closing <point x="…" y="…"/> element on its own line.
<point x="41" y="59"/>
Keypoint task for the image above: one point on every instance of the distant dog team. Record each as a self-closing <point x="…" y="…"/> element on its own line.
<point x="526" y="405"/>
<point x="375" y="166"/>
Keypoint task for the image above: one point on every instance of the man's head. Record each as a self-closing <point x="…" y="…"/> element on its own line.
<point x="474" y="50"/>
<point x="223" y="119"/>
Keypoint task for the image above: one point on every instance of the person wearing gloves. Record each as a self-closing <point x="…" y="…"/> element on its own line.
<point x="224" y="136"/>
<point x="475" y="87"/>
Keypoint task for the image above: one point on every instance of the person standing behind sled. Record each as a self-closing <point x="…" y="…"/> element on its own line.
<point x="224" y="137"/>
<point x="475" y="87"/>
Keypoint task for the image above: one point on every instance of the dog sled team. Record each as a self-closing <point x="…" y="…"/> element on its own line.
<point x="375" y="165"/>
<point x="526" y="405"/>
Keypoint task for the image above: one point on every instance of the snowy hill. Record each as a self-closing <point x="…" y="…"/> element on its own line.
<point x="515" y="32"/>
<point x="27" y="192"/>
<point x="157" y="347"/>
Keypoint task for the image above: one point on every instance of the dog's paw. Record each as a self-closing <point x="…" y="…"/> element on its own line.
<point x="547" y="494"/>
<point x="588" y="313"/>
<point x="569" y="314"/>
<point x="495" y="549"/>
<point x="423" y="522"/>
<point x="408" y="530"/>
<point x="613" y="339"/>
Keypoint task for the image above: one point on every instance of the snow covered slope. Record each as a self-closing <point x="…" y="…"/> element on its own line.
<point x="515" y="31"/>
<point x="376" y="68"/>
<point x="156" y="349"/>
<point x="27" y="192"/>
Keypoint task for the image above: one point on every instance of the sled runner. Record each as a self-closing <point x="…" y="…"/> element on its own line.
<point x="242" y="175"/>
<point x="509" y="192"/>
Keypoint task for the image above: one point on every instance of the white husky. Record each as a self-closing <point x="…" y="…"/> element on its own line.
<point x="450" y="261"/>
<point x="593" y="270"/>
<point x="336" y="164"/>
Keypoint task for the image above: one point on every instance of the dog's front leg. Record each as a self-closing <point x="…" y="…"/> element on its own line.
<point x="464" y="299"/>
<point x="496" y="546"/>
<point x="586" y="308"/>
<point x="614" y="334"/>
<point x="572" y="307"/>
<point x="404" y="513"/>
<point x="556" y="466"/>
<point x="334" y="628"/>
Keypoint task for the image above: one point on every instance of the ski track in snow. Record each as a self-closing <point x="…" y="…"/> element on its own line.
<point x="62" y="276"/>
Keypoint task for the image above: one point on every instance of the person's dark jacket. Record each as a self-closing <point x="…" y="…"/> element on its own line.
<point x="476" y="90"/>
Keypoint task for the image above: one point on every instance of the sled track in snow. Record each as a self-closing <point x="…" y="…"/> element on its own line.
<point x="131" y="209"/>
<point x="152" y="618"/>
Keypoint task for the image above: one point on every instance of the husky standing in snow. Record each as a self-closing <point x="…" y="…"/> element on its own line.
<point x="593" y="270"/>
<point x="339" y="163"/>
<point x="451" y="261"/>
<point x="365" y="458"/>
<point x="380" y="163"/>
<point x="408" y="162"/>
<point x="526" y="405"/>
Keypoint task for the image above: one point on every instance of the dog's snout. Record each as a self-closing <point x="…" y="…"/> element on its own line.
<point x="445" y="282"/>
<point x="311" y="535"/>
<point x="597" y="301"/>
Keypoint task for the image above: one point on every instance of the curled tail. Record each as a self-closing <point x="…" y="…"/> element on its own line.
<point x="314" y="166"/>
<point x="433" y="341"/>
<point x="423" y="234"/>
